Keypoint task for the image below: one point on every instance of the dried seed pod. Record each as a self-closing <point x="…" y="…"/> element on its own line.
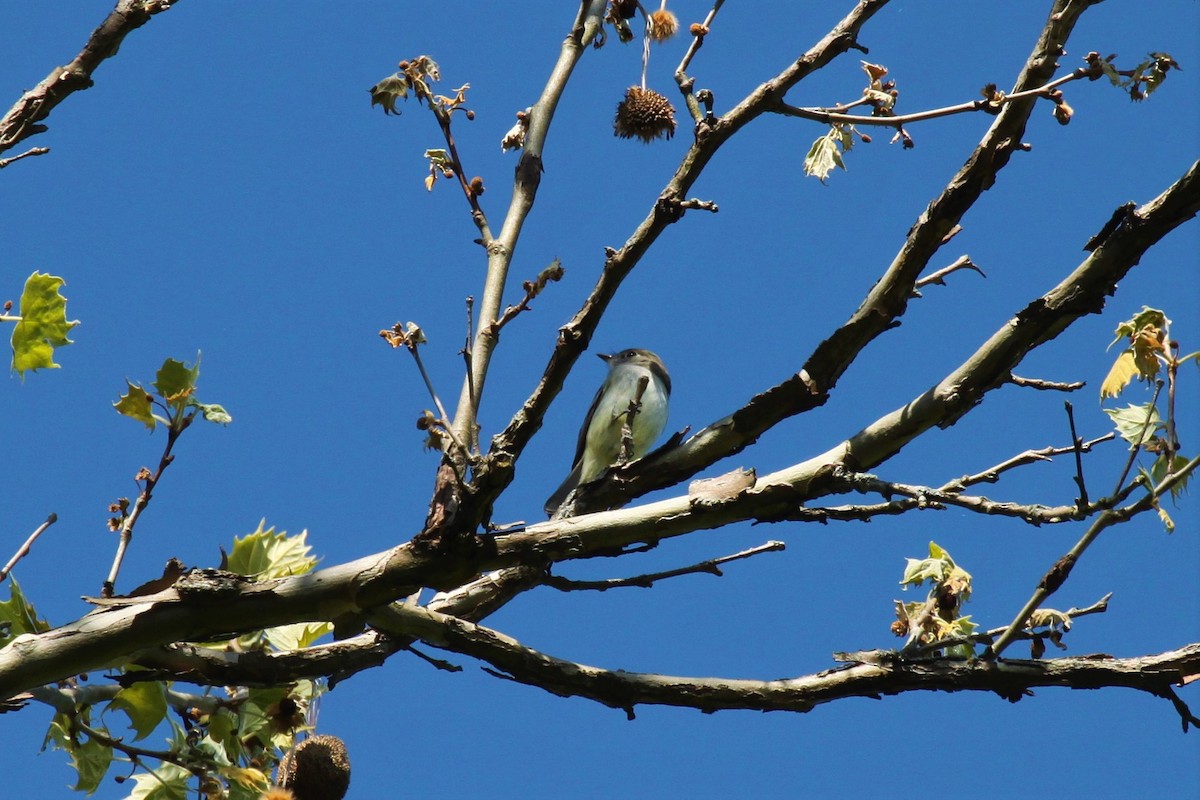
<point x="316" y="769"/>
<point x="646" y="114"/>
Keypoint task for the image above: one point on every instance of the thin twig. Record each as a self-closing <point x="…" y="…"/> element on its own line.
<point x="1044" y="385"/>
<point x="149" y="482"/>
<point x="23" y="550"/>
<point x="469" y="191"/>
<point x="444" y="418"/>
<point x="1098" y="607"/>
<point x="681" y="77"/>
<point x="1058" y="574"/>
<point x="439" y="663"/>
<point x="1082" y="502"/>
<point x="33" y="151"/>
<point x="711" y="566"/>
<point x="900" y="120"/>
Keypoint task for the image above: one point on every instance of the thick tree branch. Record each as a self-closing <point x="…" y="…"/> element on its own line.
<point x="202" y="612"/>
<point x="889" y="675"/>
<point x="35" y="105"/>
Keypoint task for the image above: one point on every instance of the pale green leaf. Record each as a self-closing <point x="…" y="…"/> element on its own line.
<point x="168" y="782"/>
<point x="297" y="635"/>
<point x="214" y="413"/>
<point x="823" y="157"/>
<point x="1131" y="422"/>
<point x="91" y="760"/>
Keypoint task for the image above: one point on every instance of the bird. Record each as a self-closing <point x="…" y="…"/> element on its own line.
<point x="599" y="445"/>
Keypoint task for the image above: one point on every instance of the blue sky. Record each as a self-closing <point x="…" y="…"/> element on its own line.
<point x="226" y="187"/>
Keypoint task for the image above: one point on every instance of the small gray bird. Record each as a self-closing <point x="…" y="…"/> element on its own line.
<point x="599" y="444"/>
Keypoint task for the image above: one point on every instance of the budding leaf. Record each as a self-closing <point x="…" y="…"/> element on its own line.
<point x="176" y="381"/>
<point x="43" y="326"/>
<point x="388" y="91"/>
<point x="214" y="412"/>
<point x="265" y="554"/>
<point x="823" y="156"/>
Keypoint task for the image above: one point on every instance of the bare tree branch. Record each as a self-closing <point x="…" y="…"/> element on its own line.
<point x="1058" y="574"/>
<point x="35" y="105"/>
<point x="888" y="676"/>
<point x="879" y="311"/>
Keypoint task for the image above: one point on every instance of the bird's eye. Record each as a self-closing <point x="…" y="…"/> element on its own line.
<point x="628" y="354"/>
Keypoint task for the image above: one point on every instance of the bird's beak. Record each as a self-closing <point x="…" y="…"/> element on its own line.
<point x="604" y="356"/>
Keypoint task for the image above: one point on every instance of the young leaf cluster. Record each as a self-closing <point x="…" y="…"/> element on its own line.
<point x="174" y="395"/>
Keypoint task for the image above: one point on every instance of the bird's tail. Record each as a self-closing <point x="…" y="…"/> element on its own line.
<point x="560" y="494"/>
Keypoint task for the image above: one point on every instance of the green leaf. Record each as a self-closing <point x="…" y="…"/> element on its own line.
<point x="252" y="720"/>
<point x="265" y="554"/>
<point x="90" y="758"/>
<point x="168" y="782"/>
<point x="43" y="326"/>
<point x="176" y="381"/>
<point x="1131" y="422"/>
<point x="17" y="616"/>
<point x="222" y="723"/>
<point x="137" y="403"/>
<point x="146" y="704"/>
